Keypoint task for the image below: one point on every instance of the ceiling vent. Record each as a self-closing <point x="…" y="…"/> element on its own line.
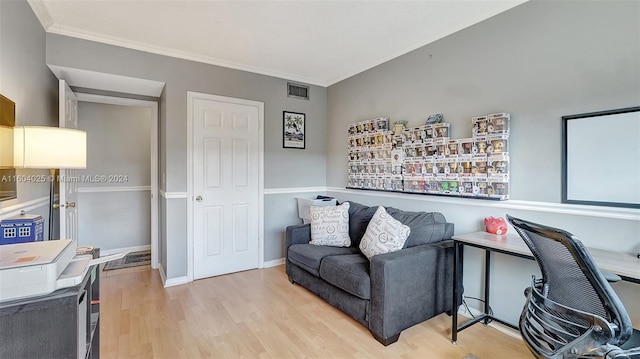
<point x="297" y="91"/>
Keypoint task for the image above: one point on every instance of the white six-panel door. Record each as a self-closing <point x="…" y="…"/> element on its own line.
<point x="68" y="198"/>
<point x="226" y="169"/>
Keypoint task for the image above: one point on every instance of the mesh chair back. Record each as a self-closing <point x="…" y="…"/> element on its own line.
<point x="570" y="277"/>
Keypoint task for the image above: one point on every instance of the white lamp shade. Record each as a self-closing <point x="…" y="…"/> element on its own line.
<point x="6" y="147"/>
<point x="49" y="147"/>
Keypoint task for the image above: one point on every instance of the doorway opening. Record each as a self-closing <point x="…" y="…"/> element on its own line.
<point x="119" y="192"/>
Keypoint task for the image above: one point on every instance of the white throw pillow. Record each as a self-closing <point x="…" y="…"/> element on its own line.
<point x="330" y="225"/>
<point x="384" y="234"/>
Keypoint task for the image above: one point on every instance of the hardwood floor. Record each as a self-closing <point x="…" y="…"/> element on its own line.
<point x="259" y="314"/>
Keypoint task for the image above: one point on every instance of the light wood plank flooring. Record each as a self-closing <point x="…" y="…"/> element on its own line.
<point x="259" y="314"/>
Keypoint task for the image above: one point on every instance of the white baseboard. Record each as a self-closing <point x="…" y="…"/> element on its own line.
<point x="173" y="281"/>
<point x="501" y="328"/>
<point x="126" y="249"/>
<point x="273" y="263"/>
<point x="176" y="281"/>
<point x="163" y="275"/>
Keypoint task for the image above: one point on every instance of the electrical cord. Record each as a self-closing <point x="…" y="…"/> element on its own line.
<point x="466" y="306"/>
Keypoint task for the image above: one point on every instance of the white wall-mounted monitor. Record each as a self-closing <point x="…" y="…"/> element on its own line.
<point x="601" y="158"/>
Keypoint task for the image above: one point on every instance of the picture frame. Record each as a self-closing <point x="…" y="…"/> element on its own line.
<point x="293" y="130"/>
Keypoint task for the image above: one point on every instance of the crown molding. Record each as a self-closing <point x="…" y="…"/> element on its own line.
<point x="40" y="9"/>
<point x="90" y="36"/>
<point x="42" y="13"/>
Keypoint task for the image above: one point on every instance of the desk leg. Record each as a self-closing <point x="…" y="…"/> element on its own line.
<point x="487" y="280"/>
<point x="457" y="288"/>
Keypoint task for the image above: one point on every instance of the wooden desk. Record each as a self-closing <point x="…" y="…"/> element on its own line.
<point x="626" y="265"/>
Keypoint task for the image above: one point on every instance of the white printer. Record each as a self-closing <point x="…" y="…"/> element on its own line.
<point x="39" y="268"/>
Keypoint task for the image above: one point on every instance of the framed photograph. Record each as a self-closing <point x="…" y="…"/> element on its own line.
<point x="293" y="129"/>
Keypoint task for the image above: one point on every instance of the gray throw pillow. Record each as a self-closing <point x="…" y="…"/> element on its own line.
<point x="359" y="217"/>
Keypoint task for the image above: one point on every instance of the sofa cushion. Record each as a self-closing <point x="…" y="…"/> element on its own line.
<point x="309" y="256"/>
<point x="359" y="217"/>
<point x="425" y="227"/>
<point x="384" y="234"/>
<point x="349" y="273"/>
<point x="330" y="225"/>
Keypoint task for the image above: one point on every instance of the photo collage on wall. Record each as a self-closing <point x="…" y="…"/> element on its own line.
<point x="426" y="160"/>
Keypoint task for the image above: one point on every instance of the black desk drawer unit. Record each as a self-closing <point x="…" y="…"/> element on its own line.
<point x="63" y="324"/>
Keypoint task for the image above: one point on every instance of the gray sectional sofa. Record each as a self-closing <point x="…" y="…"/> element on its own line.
<point x="393" y="291"/>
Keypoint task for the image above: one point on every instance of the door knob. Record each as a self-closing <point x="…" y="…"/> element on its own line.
<point x="199" y="199"/>
<point x="68" y="204"/>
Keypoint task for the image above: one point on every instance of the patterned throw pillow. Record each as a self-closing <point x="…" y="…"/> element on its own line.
<point x="330" y="225"/>
<point x="384" y="235"/>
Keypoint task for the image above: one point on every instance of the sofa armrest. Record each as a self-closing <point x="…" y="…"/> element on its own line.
<point x="448" y="232"/>
<point x="410" y="286"/>
<point x="297" y="234"/>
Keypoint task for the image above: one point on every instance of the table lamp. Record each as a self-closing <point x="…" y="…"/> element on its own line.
<point x="49" y="148"/>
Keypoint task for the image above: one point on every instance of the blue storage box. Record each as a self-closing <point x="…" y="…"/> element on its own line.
<point x="22" y="228"/>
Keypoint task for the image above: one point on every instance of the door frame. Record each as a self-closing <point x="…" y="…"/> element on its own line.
<point x="153" y="106"/>
<point x="191" y="96"/>
<point x="65" y="95"/>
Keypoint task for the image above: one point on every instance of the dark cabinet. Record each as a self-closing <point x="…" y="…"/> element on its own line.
<point x="63" y="324"/>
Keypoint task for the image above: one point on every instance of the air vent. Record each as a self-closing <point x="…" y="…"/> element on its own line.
<point x="297" y="91"/>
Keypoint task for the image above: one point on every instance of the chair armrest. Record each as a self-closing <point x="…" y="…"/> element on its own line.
<point x="410" y="286"/>
<point x="610" y="277"/>
<point x="618" y="353"/>
<point x="297" y="234"/>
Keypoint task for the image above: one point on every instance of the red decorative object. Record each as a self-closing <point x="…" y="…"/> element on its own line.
<point x="495" y="225"/>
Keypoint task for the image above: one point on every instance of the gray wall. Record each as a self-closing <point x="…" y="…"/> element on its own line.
<point x="118" y="143"/>
<point x="282" y="167"/>
<point x="115" y="215"/>
<point x="281" y="211"/>
<point x="26" y="80"/>
<point x="181" y="76"/>
<point x="538" y="61"/>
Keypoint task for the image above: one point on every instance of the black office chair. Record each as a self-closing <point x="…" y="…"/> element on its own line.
<point x="572" y="311"/>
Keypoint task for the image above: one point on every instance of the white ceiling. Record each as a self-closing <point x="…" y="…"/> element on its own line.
<point x="313" y="42"/>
